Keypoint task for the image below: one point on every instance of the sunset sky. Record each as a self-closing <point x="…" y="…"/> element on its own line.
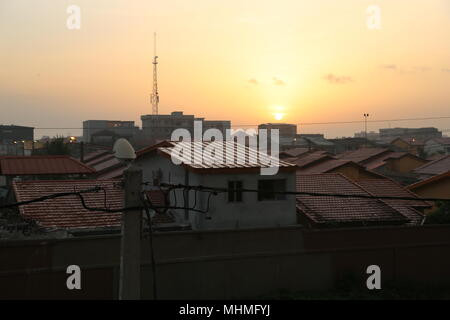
<point x="242" y="60"/>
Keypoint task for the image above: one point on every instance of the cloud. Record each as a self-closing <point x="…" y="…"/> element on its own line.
<point x="389" y="66"/>
<point x="278" y="82"/>
<point x="422" y="69"/>
<point x="334" y="79"/>
<point x="253" y="81"/>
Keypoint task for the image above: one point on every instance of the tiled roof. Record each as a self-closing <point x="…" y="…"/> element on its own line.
<point x="245" y="158"/>
<point x="435" y="167"/>
<point x="68" y="212"/>
<point x="108" y="165"/>
<point x="443" y="140"/>
<point x="42" y="165"/>
<point x="412" y="142"/>
<point x="433" y="179"/>
<point x="325" y="166"/>
<point x="112" y="174"/>
<point x="381" y="160"/>
<point x="362" y="154"/>
<point x="309" y="159"/>
<point x="295" y="152"/>
<point x="94" y="155"/>
<point x="389" y="188"/>
<point x="100" y="159"/>
<point x="335" y="210"/>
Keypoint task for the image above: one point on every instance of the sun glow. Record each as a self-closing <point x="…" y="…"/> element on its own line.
<point x="278" y="116"/>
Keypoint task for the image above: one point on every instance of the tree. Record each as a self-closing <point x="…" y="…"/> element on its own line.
<point x="441" y="215"/>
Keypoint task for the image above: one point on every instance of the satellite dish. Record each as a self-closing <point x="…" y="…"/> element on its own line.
<point x="124" y="151"/>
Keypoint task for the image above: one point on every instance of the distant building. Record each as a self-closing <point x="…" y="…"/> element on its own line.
<point x="11" y="133"/>
<point x="413" y="146"/>
<point x="349" y="144"/>
<point x="221" y="125"/>
<point x="409" y="133"/>
<point x="396" y="165"/>
<point x="106" y="132"/>
<point x="372" y="135"/>
<point x="287" y="132"/>
<point x="159" y="127"/>
<point x="437" y="146"/>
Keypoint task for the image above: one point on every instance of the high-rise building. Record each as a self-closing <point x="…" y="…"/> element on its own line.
<point x="160" y="126"/>
<point x="107" y="131"/>
<point x="9" y="134"/>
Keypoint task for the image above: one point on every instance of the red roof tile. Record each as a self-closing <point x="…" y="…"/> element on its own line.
<point x="295" y="152"/>
<point x="325" y="166"/>
<point x="42" y="165"/>
<point x="68" y="212"/>
<point x="335" y="210"/>
<point x="310" y="159"/>
<point x="389" y="188"/>
<point x="363" y="154"/>
<point x="433" y="179"/>
<point x="435" y="167"/>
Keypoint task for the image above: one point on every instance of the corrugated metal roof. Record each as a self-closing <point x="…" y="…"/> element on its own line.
<point x="202" y="157"/>
<point x="41" y="165"/>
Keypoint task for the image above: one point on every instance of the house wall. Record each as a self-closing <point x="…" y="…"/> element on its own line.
<point x="404" y="164"/>
<point x="355" y="173"/>
<point x="437" y="189"/>
<point x="223" y="214"/>
<point x="406" y="146"/>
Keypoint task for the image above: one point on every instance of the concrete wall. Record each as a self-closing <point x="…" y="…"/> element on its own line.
<point x="229" y="264"/>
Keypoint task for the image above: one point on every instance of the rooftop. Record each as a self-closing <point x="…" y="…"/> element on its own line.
<point x="205" y="156"/>
<point x="362" y="154"/>
<point x="68" y="212"/>
<point x="325" y="210"/>
<point x="434" y="167"/>
<point x="42" y="165"/>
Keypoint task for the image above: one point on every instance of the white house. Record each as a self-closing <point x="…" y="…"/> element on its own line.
<point x="437" y="145"/>
<point x="228" y="209"/>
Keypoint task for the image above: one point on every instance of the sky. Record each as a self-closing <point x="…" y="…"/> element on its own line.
<point x="248" y="61"/>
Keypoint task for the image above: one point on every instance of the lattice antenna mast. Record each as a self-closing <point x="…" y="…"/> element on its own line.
<point x="155" y="95"/>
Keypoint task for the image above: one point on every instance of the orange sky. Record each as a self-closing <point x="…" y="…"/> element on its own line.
<point x="312" y="61"/>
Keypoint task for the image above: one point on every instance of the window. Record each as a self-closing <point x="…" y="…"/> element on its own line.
<point x="235" y="191"/>
<point x="266" y="189"/>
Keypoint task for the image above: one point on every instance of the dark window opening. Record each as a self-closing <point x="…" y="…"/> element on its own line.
<point x="235" y="191"/>
<point x="267" y="189"/>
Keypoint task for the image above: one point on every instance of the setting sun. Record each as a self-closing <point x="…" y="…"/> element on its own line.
<point x="278" y="116"/>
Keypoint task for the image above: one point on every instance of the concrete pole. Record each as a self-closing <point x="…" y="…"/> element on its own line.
<point x="130" y="253"/>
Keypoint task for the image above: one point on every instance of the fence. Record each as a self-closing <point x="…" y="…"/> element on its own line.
<point x="228" y="264"/>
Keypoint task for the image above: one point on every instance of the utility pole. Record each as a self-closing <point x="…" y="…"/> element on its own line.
<point x="366" y="115"/>
<point x="130" y="253"/>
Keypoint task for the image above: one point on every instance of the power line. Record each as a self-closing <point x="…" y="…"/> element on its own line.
<point x="254" y="125"/>
<point x="212" y="191"/>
